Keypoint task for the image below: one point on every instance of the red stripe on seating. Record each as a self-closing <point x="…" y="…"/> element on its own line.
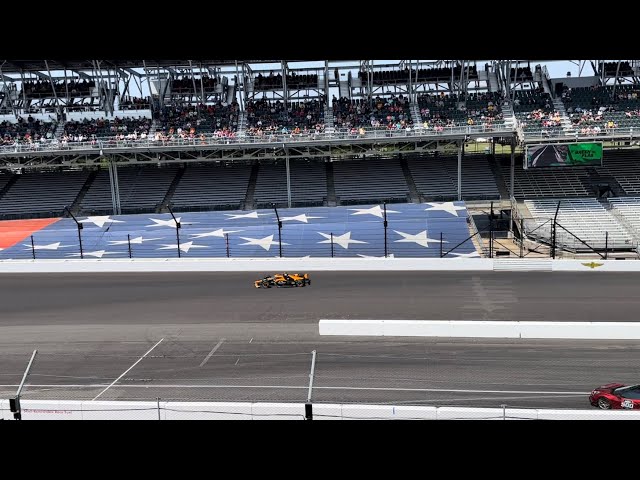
<point x="14" y="231"/>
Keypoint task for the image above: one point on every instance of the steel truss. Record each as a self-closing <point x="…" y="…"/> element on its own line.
<point x="339" y="149"/>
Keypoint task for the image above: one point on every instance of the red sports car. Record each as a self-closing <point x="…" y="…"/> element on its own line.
<point x="616" y="395"/>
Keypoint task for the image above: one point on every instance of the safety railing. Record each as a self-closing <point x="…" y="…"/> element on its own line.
<point x="416" y="133"/>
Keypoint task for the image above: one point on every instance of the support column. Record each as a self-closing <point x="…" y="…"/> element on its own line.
<point x="460" y="151"/>
<point x="511" y="181"/>
<point x="286" y="160"/>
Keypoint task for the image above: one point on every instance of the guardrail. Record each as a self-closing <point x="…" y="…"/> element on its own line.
<point x="416" y="134"/>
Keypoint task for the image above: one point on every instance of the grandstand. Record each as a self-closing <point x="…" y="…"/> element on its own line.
<point x="215" y="139"/>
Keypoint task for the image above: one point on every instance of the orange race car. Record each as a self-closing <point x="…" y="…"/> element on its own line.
<point x="283" y="280"/>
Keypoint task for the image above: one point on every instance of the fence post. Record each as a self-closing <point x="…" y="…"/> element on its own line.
<point x="33" y="248"/>
<point x="226" y="238"/>
<point x="440" y="244"/>
<point x="129" y="243"/>
<point x="158" y="400"/>
<point x="606" y="244"/>
<point x="521" y="238"/>
<point x="331" y="244"/>
<point x="80" y="226"/>
<point x="504" y="411"/>
<point x="178" y="225"/>
<point x="385" y="224"/>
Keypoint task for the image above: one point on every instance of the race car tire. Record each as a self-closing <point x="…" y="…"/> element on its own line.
<point x="265" y="284"/>
<point x="299" y="283"/>
<point x="604" y="404"/>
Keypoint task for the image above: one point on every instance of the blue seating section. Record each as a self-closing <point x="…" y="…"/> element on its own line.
<point x="413" y="231"/>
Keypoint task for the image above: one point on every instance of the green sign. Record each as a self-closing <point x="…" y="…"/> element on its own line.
<point x="564" y="155"/>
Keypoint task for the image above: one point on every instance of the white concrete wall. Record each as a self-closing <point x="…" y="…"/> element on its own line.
<point x="481" y="329"/>
<point x="5" y="414"/>
<point x="292" y="264"/>
<point x="207" y="411"/>
<point x="87" y="410"/>
<point x="241" y="265"/>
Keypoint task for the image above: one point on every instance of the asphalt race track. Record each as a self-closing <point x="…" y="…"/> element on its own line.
<point x="213" y="337"/>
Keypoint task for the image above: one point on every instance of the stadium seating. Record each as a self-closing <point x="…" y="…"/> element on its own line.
<point x="97" y="199"/>
<point x="210" y="187"/>
<point x="38" y="194"/>
<point x="187" y="121"/>
<point x="436" y="178"/>
<point x="308" y="184"/>
<point x="553" y="183"/>
<point x="585" y="218"/>
<point x="142" y="189"/>
<point x="628" y="208"/>
<point x="536" y="113"/>
<point x="25" y="131"/>
<point x="624" y="167"/>
<point x="385" y="113"/>
<point x="105" y="128"/>
<point x="272" y="117"/>
<point x="369" y="181"/>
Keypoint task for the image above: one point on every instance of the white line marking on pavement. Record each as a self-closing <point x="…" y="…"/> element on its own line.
<point x="237" y="361"/>
<point x="137" y="361"/>
<point x="213" y="350"/>
<point x="251" y="340"/>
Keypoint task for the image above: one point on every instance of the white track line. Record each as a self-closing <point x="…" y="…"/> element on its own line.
<point x="137" y="361"/>
<point x="213" y="350"/>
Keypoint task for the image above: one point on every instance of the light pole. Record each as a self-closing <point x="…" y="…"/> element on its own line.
<point x="279" y="229"/>
<point x="178" y="226"/>
<point x="385" y="223"/>
<point x="80" y="227"/>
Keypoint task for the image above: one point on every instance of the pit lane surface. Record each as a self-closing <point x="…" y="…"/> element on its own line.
<point x="223" y="340"/>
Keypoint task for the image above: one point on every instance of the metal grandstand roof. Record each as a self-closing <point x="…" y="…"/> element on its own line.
<point x="17" y="66"/>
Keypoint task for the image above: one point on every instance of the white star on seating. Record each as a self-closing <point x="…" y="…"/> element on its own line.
<point x="466" y="255"/>
<point x="233" y="216"/>
<point x="371" y="256"/>
<point x="343" y="240"/>
<point x="167" y="223"/>
<point x="444" y="207"/>
<point x="97" y="254"/>
<point x="184" y="247"/>
<point x="375" y="211"/>
<point x="221" y="232"/>
<point x="133" y="241"/>
<point x="265" y="242"/>
<point x="300" y="218"/>
<point x="100" y="221"/>
<point x="51" y="246"/>
<point x="419" y="238"/>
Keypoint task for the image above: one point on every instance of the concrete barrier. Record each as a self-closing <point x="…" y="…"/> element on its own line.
<point x="243" y="265"/>
<point x="277" y="411"/>
<point x="481" y="329"/>
<point x="581" y="330"/>
<point x="104" y="410"/>
<point x="5" y="413"/>
<point x="114" y="410"/>
<point x="596" y="266"/>
<point x="207" y="410"/>
<point x="299" y="264"/>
